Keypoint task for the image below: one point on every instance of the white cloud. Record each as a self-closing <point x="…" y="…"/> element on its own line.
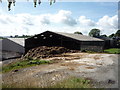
<point x="86" y="22"/>
<point x="5" y="19"/>
<point x="62" y="21"/>
<point x="44" y="19"/>
<point x="108" y="24"/>
<point x="64" y="17"/>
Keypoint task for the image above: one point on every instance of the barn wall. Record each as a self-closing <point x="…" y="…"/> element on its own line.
<point x="96" y="46"/>
<point x="51" y="39"/>
<point x="44" y="39"/>
<point x="70" y="43"/>
<point x="9" y="45"/>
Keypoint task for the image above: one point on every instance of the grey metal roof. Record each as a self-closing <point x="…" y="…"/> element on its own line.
<point x="79" y="37"/>
<point x="20" y="41"/>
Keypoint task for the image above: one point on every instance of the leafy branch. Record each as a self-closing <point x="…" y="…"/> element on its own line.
<point x="10" y="2"/>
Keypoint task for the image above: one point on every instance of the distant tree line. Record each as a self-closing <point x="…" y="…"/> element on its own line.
<point x="93" y="33"/>
<point x="23" y="36"/>
<point x="112" y="40"/>
<point x="96" y="33"/>
<point x="77" y="32"/>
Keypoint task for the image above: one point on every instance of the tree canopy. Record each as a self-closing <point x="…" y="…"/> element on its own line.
<point x="112" y="35"/>
<point x="103" y="35"/>
<point x="94" y="33"/>
<point x="23" y="36"/>
<point x="77" y="32"/>
<point x="10" y="2"/>
<point x="117" y="34"/>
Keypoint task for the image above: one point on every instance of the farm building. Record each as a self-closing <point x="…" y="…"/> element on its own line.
<point x="108" y="43"/>
<point x="12" y="47"/>
<point x="13" y="44"/>
<point x="68" y="40"/>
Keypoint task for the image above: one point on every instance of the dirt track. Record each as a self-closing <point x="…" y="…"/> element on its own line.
<point x="102" y="69"/>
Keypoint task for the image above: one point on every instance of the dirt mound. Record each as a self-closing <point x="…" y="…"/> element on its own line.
<point x="44" y="52"/>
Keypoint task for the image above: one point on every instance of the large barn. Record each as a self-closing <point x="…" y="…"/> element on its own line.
<point x="68" y="40"/>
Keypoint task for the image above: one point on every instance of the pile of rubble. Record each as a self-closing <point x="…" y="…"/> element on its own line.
<point x="46" y="52"/>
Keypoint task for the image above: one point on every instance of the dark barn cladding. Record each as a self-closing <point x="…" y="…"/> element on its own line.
<point x="68" y="40"/>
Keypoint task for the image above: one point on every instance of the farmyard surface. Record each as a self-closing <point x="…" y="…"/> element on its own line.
<point x="102" y="69"/>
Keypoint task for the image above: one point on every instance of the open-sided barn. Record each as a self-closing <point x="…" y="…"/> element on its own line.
<point x="68" y="40"/>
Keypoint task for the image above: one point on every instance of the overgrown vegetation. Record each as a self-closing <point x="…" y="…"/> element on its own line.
<point x="112" y="51"/>
<point x="73" y="82"/>
<point x="23" y="64"/>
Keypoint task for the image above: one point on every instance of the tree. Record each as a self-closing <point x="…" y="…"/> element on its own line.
<point x="77" y="32"/>
<point x="117" y="34"/>
<point x="104" y="35"/>
<point x="16" y="36"/>
<point x="94" y="33"/>
<point x="10" y="2"/>
<point x="112" y="35"/>
<point x="11" y="36"/>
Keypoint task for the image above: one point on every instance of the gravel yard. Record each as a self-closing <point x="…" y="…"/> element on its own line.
<point x="102" y="69"/>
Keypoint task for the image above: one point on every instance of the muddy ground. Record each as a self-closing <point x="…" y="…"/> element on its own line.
<point x="101" y="69"/>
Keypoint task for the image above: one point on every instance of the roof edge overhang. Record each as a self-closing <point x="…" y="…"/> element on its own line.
<point x="65" y="36"/>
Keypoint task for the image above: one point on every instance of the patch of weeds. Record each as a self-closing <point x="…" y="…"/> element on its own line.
<point x="91" y="52"/>
<point x="23" y="64"/>
<point x="38" y="62"/>
<point x="73" y="82"/>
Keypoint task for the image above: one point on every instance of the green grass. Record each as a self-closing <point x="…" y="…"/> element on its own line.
<point x="23" y="64"/>
<point x="112" y="51"/>
<point x="73" y="82"/>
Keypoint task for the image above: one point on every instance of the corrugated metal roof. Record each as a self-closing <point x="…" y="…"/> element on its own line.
<point x="20" y="41"/>
<point x="79" y="37"/>
<point x="74" y="36"/>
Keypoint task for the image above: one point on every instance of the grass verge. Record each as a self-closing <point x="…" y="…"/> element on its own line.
<point x="112" y="51"/>
<point x="23" y="64"/>
<point x="73" y="82"/>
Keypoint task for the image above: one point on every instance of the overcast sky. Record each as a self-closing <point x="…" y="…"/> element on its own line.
<point x="61" y="17"/>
